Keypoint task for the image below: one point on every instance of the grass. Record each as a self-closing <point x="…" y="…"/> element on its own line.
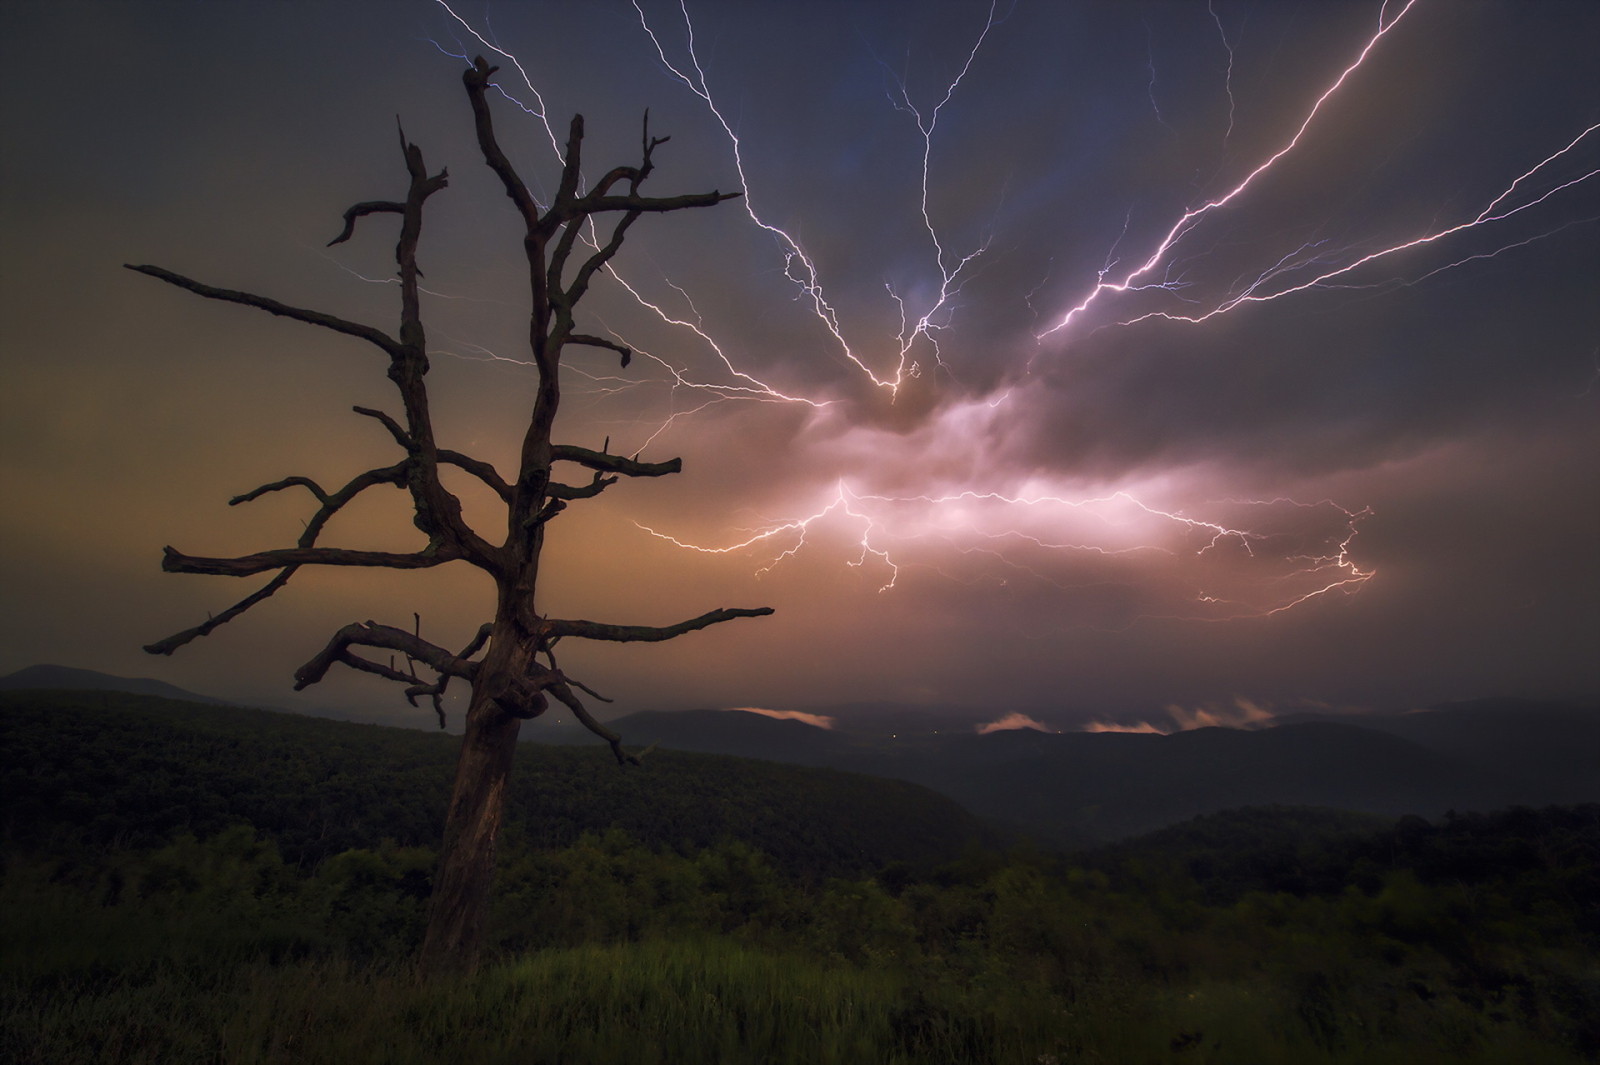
<point x="219" y="953"/>
<point x="706" y="1000"/>
<point x="655" y="1002"/>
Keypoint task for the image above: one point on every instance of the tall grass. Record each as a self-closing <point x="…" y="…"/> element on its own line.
<point x="655" y="1002"/>
<point x="219" y="953"/>
<point x="708" y="1000"/>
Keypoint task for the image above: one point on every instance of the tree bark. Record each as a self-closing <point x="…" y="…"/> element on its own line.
<point x="458" y="910"/>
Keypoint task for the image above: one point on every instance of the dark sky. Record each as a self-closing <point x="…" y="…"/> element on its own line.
<point x="1373" y="486"/>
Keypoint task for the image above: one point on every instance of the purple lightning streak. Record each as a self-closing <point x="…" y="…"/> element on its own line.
<point x="948" y="274"/>
<point x="842" y="502"/>
<point x="804" y="275"/>
<point x="1191" y="217"/>
<point x="538" y="112"/>
<point x="1253" y="572"/>
<point x="799" y="267"/>
<point x="1150" y="64"/>
<point x="750" y="387"/>
<point x="1249" y="572"/>
<point x="1228" y="81"/>
<point x="1493" y="212"/>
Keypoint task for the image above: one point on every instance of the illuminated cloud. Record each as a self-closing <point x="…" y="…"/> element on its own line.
<point x="822" y="721"/>
<point x="1010" y="722"/>
<point x="1241" y="713"/>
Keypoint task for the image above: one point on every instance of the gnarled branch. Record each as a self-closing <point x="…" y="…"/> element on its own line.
<point x="330" y="506"/>
<point x="396" y="430"/>
<point x="654" y="204"/>
<point x="175" y="561"/>
<point x="480" y="469"/>
<point x="602" y="255"/>
<point x="366" y="207"/>
<point x="178" y="639"/>
<point x="555" y="628"/>
<point x="566" y="491"/>
<point x="599" y="460"/>
<point x="327" y="321"/>
<point x="601" y="342"/>
<point x="561" y="691"/>
<point x="435" y="691"/>
<point x="476" y="78"/>
<point x="372" y="634"/>
<point x="277" y="486"/>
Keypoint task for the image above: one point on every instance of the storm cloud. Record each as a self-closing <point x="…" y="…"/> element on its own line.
<point x="1378" y="490"/>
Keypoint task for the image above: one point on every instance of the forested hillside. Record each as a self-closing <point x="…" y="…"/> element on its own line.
<point x="188" y="883"/>
<point x="109" y="769"/>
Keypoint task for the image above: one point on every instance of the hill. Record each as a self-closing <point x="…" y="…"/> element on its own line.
<point x="1076" y="787"/>
<point x="70" y="678"/>
<point x="108" y="768"/>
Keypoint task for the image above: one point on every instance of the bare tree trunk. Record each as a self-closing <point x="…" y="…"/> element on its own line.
<point x="459" y="908"/>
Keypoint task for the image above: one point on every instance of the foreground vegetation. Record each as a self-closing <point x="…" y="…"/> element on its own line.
<point x="1271" y="935"/>
<point x="609" y="951"/>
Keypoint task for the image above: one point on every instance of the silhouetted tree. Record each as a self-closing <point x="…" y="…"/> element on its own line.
<point x="510" y="663"/>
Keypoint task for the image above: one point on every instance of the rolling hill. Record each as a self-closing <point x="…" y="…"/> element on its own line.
<point x="70" y="678"/>
<point x="1077" y="787"/>
<point x="100" y="768"/>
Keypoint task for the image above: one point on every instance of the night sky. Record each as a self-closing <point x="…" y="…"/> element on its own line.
<point x="1244" y="476"/>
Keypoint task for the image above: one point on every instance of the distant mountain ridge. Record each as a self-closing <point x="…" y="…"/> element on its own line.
<point x="72" y="679"/>
<point x="1078" y="787"/>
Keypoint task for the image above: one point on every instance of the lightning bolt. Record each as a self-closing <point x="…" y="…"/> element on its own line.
<point x="677" y="377"/>
<point x="1190" y="218"/>
<point x="1262" y="289"/>
<point x="793" y="531"/>
<point x="799" y="267"/>
<point x="1227" y="86"/>
<point x="1288" y="554"/>
<point x="1272" y="584"/>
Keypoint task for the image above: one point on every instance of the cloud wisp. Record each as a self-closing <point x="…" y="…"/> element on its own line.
<point x="822" y="721"/>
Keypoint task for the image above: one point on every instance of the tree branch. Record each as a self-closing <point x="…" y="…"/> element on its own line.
<point x="175" y="561"/>
<point x="476" y="78"/>
<point x="396" y="430"/>
<point x="588" y="491"/>
<point x="654" y="204"/>
<point x="572" y="166"/>
<point x="599" y="460"/>
<point x="177" y="640"/>
<point x="372" y="634"/>
<point x="561" y="691"/>
<point x="601" y="342"/>
<point x="480" y="469"/>
<point x="412" y="645"/>
<point x="277" y="486"/>
<point x="435" y="691"/>
<point x="361" y="209"/>
<point x="327" y="321"/>
<point x="580" y="284"/>
<point x="330" y="506"/>
<point x="405" y="256"/>
<point x="555" y="629"/>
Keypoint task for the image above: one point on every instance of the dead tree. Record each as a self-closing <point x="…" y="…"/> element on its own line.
<point x="510" y="663"/>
